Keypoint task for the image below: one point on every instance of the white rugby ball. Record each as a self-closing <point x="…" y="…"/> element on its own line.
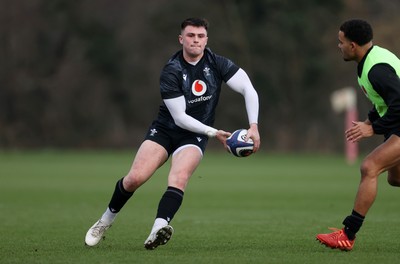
<point x="238" y="146"/>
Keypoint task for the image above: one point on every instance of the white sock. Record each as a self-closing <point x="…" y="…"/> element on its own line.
<point x="158" y="223"/>
<point x="108" y="217"/>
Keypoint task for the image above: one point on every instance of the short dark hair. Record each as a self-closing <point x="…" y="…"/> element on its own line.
<point x="357" y="30"/>
<point x="195" y="22"/>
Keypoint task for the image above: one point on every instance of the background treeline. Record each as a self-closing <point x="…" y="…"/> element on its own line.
<point x="84" y="74"/>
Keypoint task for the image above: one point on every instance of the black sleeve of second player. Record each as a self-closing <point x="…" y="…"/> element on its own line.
<point x="387" y="84"/>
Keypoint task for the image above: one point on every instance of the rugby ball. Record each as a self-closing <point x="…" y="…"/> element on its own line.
<point x="238" y="146"/>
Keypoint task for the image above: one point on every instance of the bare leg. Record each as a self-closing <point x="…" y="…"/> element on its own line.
<point x="184" y="163"/>
<point x="148" y="159"/>
<point x="385" y="157"/>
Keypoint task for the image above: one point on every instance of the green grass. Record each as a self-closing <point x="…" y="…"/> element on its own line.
<point x="262" y="209"/>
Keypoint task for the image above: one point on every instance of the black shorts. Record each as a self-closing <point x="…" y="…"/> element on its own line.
<point x="172" y="139"/>
<point x="387" y="136"/>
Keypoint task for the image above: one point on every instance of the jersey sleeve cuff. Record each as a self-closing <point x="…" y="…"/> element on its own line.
<point x="212" y="132"/>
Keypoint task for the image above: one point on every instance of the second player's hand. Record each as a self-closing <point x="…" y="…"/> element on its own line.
<point x="358" y="131"/>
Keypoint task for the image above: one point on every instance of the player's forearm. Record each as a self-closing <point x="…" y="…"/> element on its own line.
<point x="189" y="123"/>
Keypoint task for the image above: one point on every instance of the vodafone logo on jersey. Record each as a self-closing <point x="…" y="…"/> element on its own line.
<point x="199" y="87"/>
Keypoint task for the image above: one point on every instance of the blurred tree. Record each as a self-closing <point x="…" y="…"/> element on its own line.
<point x="85" y="73"/>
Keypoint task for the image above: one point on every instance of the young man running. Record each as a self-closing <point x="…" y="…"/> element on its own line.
<point x="378" y="76"/>
<point x="190" y="86"/>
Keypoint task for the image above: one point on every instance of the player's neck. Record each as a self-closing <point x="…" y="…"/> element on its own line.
<point x="192" y="60"/>
<point x="362" y="51"/>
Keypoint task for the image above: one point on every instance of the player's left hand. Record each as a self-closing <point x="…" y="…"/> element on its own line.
<point x="253" y="133"/>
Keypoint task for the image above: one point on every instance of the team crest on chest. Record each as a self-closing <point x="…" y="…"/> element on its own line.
<point x="206" y="71"/>
<point x="199" y="87"/>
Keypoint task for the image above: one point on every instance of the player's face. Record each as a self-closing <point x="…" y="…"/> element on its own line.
<point x="347" y="47"/>
<point x="194" y="41"/>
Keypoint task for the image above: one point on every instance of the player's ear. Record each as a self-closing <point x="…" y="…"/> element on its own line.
<point x="180" y="38"/>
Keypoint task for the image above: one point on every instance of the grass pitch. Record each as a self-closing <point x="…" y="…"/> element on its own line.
<point x="261" y="209"/>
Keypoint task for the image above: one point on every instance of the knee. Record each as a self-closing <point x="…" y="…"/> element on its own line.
<point x="131" y="183"/>
<point x="179" y="181"/>
<point x="368" y="169"/>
